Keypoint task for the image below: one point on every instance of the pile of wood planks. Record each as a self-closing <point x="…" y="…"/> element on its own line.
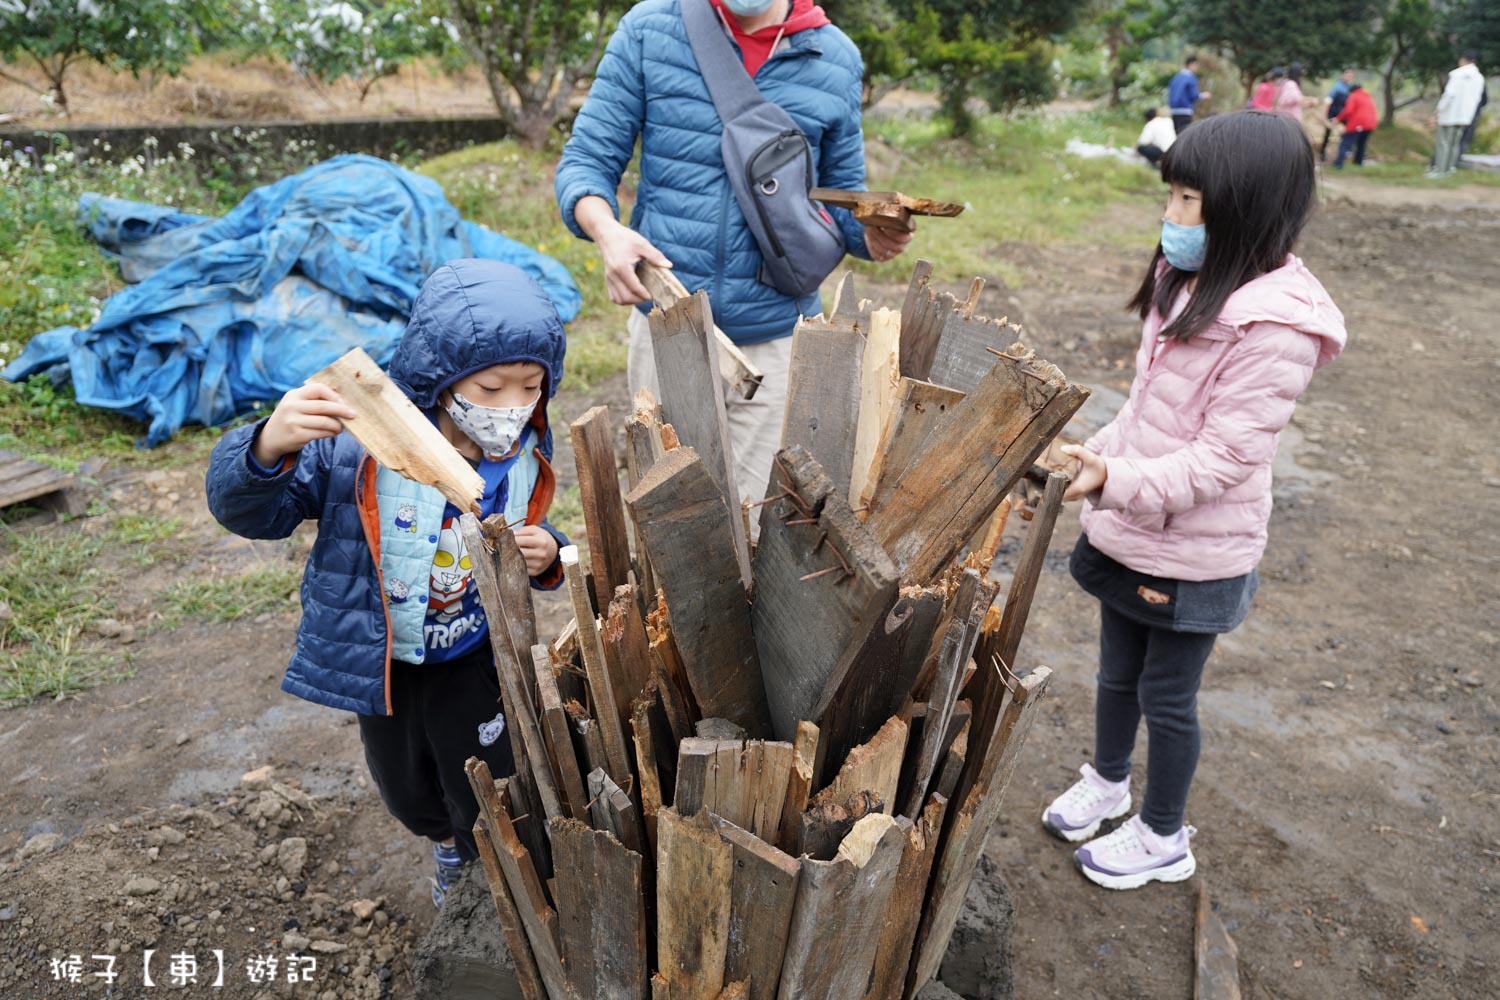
<point x="768" y="770"/>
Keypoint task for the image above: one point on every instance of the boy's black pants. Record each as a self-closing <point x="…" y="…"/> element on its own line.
<point x="417" y="754"/>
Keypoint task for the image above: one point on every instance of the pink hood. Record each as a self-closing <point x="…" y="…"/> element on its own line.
<point x="1189" y="455"/>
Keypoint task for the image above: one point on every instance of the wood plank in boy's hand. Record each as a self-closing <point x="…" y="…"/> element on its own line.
<point x="396" y="433"/>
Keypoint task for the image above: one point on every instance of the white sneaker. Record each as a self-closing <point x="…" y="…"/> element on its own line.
<point x="1134" y="854"/>
<point x="1076" y="814"/>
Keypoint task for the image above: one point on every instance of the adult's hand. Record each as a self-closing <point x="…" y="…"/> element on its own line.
<point x="619" y="248"/>
<point x="885" y="244"/>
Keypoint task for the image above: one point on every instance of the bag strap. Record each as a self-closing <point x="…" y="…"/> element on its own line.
<point x="729" y="84"/>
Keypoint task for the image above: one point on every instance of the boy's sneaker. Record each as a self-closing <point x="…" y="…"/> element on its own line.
<point x="449" y="867"/>
<point x="1134" y="854"/>
<point x="1075" y="815"/>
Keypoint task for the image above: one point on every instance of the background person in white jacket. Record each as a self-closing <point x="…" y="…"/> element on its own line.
<point x="1455" y="110"/>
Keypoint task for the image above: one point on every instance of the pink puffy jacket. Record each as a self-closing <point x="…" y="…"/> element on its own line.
<point x="1189" y="455"/>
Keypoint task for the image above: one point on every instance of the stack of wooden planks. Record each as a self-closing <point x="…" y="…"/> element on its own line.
<point x="768" y="771"/>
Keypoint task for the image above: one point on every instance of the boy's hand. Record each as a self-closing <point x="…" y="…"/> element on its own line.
<point x="1090" y="476"/>
<point x="537" y="546"/>
<point x="304" y="415"/>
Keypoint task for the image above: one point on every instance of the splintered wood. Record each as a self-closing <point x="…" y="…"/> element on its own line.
<point x="767" y="773"/>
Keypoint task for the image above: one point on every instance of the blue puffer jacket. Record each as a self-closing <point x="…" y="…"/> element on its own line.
<point x="648" y="85"/>
<point x="471" y="314"/>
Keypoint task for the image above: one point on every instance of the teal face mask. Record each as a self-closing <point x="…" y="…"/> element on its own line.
<point x="748" y="8"/>
<point x="1183" y="246"/>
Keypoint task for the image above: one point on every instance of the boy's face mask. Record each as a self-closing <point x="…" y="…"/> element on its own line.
<point x="1184" y="246"/>
<point x="748" y="8"/>
<point x="495" y="429"/>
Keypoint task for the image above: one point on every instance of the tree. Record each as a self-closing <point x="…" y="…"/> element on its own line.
<point x="1475" y="25"/>
<point x="1320" y="34"/>
<point x="1412" y="47"/>
<point x="330" y="40"/>
<point x="1127" y="27"/>
<point x="53" y="35"/>
<point x="533" y="54"/>
<point x="882" y="37"/>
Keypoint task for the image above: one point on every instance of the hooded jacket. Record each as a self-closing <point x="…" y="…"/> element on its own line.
<point x="648" y="86"/>
<point x="470" y="315"/>
<point x="1460" y="101"/>
<point x="1358" y="113"/>
<point x="1188" y="494"/>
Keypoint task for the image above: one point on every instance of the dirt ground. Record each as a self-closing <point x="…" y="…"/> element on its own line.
<point x="1348" y="784"/>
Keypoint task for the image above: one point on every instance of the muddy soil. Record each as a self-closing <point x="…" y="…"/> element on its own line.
<point x="1348" y="785"/>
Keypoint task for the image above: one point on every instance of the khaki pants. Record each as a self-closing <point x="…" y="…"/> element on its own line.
<point x="1445" y="160"/>
<point x="754" y="425"/>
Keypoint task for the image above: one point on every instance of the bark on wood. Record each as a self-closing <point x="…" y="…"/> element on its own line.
<point x="798" y="787"/>
<point x="555" y="733"/>
<point x="685" y="525"/>
<point x="742" y="782"/>
<point x="763" y="895"/>
<point x="511" y="929"/>
<point x="741" y="378"/>
<point x="809" y="629"/>
<point x="918" y="408"/>
<point x="823" y="396"/>
<point x="874" y="767"/>
<point x="694" y="886"/>
<point x="601" y="910"/>
<point x="1216" y="974"/>
<point x="839" y="913"/>
<point x="695" y="405"/>
<point x="903" y="910"/>
<point x="886" y="209"/>
<point x="599" y="492"/>
<point x="601" y="685"/>
<point x="514" y="583"/>
<point x="396" y="433"/>
<point x="880" y="376"/>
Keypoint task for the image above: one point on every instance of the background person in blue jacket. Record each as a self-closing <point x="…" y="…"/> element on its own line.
<point x="648" y="87"/>
<point x="392" y="628"/>
<point x="1182" y="94"/>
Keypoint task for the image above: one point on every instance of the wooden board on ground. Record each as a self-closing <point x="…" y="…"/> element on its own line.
<point x="685" y="525"/>
<point x="762" y="898"/>
<point x="694" y="901"/>
<point x="903" y="910"/>
<point x="1216" y="972"/>
<point x="396" y="433"/>
<point x="695" y="405"/>
<point x="886" y="209"/>
<point x="744" y="782"/>
<point x="603" y="943"/>
<point x="25" y="481"/>
<point x="822" y="584"/>
<point x="599" y="493"/>
<point x="823" y="396"/>
<point x="918" y="408"/>
<point x="741" y="377"/>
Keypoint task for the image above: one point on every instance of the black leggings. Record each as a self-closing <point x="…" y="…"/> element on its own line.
<point x="1156" y="672"/>
<point x="444" y="714"/>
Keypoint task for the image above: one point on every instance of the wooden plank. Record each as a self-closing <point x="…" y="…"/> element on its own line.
<point x="809" y="629"/>
<point x="989" y="441"/>
<point x="741" y="377"/>
<point x="695" y="404"/>
<point x="962" y="358"/>
<point x="971" y="827"/>
<point x="958" y="645"/>
<point x="396" y="433"/>
<point x="798" y="786"/>
<point x="22" y="479"/>
<point x="666" y="662"/>
<point x="555" y="734"/>
<point x="511" y="929"/>
<point x="918" y="334"/>
<point x="686" y="527"/>
<point x="601" y="684"/>
<point x="648" y="730"/>
<point x="602" y="912"/>
<point x="627" y="650"/>
<point x="839" y="914"/>
<point x="824" y="827"/>
<point x="1216" y="973"/>
<point x="736" y="991"/>
<point x="879" y="381"/>
<point x="918" y="408"/>
<point x="694" y="901"/>
<point x="514" y="582"/>
<point x="538" y="918"/>
<point x="611" y="809"/>
<point x="603" y="513"/>
<point x="587" y="743"/>
<point x="957" y="723"/>
<point x="903" y="910"/>
<point x="874" y="767"/>
<point x="526" y="736"/>
<point x="762" y="898"/>
<point x="742" y="782"/>
<point x="879" y="684"/>
<point x="823" y="396"/>
<point x="953" y="763"/>
<point x="886" y="209"/>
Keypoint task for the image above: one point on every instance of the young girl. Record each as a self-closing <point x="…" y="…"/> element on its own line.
<point x="1178" y="485"/>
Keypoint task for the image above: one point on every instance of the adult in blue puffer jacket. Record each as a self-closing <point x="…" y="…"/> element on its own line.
<point x="391" y="624"/>
<point x="648" y="86"/>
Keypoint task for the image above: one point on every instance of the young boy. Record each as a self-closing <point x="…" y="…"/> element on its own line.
<point x="391" y="625"/>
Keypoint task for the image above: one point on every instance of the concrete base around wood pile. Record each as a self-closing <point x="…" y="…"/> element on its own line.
<point x="464" y="958"/>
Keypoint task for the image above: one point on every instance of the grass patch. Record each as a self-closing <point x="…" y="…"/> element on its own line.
<point x="256" y="591"/>
<point x="566" y="514"/>
<point x="56" y="583"/>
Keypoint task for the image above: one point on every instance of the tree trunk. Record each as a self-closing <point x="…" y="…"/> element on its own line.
<point x="1388" y="90"/>
<point x="1116" y="71"/>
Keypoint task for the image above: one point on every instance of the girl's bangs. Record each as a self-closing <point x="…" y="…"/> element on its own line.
<point x="1186" y="163"/>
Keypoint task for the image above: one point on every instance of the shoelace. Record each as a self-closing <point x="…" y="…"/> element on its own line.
<point x="1085" y="794"/>
<point x="1123" y="840"/>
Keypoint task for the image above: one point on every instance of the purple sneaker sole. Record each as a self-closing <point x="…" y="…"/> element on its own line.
<point x="1177" y="869"/>
<point x="1054" y="825"/>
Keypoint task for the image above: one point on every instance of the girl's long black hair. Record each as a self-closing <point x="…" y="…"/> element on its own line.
<point x="1258" y="178"/>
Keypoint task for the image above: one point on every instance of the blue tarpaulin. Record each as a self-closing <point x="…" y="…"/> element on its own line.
<point x="226" y="313"/>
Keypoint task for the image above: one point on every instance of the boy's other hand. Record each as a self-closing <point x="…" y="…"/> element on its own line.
<point x="537" y="546"/>
<point x="1090" y="475"/>
<point x="304" y="415"/>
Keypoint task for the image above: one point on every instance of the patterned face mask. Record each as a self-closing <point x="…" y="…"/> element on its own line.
<point x="494" y="428"/>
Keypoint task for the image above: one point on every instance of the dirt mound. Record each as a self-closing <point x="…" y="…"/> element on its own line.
<point x="190" y="99"/>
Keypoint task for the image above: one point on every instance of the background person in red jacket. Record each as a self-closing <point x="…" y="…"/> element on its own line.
<point x="1360" y="119"/>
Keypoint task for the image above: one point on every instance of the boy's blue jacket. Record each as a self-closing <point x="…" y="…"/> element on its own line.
<point x="648" y="85"/>
<point x="1182" y="92"/>
<point x="471" y="314"/>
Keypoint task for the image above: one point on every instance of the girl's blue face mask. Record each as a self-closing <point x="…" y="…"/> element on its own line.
<point x="748" y="8"/>
<point x="1184" y="246"/>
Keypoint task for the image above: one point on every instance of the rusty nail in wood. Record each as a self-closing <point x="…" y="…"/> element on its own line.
<point x="822" y="537"/>
<point x="803" y="520"/>
<point x="821" y="572"/>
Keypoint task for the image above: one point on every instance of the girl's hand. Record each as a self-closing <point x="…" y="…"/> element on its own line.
<point x="885" y="243"/>
<point x="304" y="415"/>
<point x="1089" y="477"/>
<point x="537" y="546"/>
